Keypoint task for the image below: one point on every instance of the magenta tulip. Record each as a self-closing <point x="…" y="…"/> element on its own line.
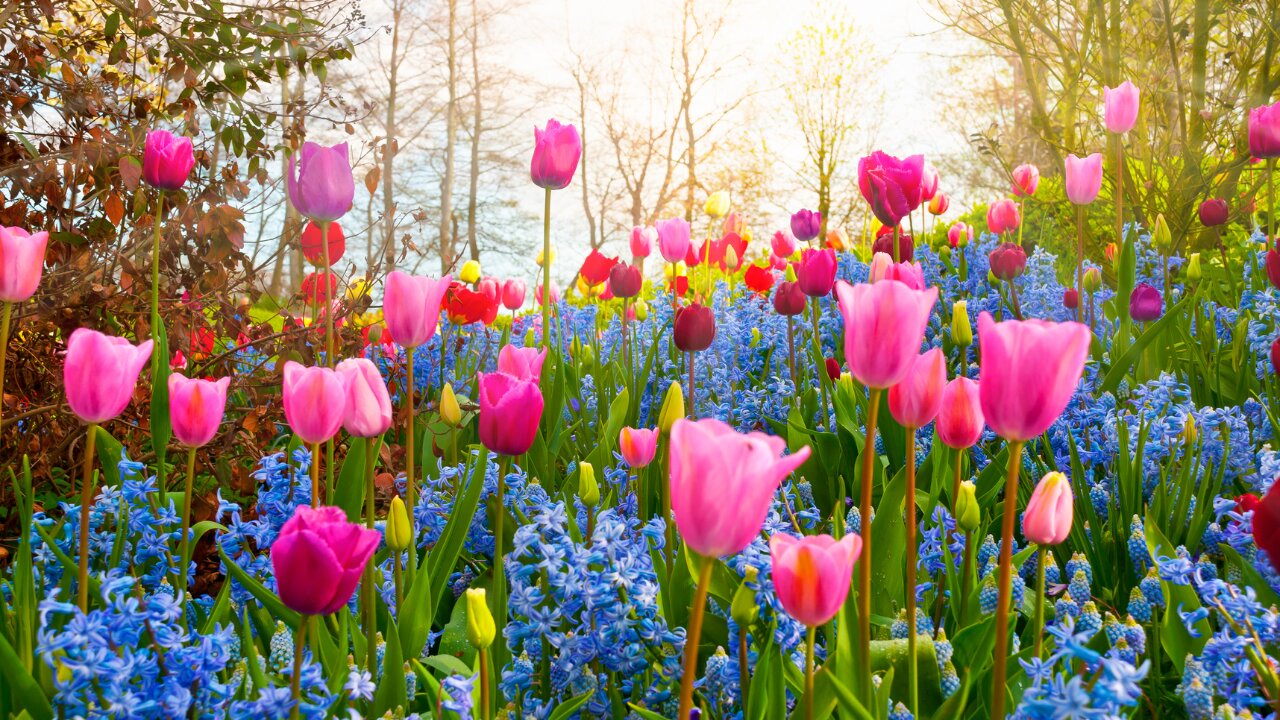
<point x="1047" y="520"/>
<point x="884" y="268"/>
<point x="318" y="558"/>
<point x="1120" y="107"/>
<point x="411" y="307"/>
<point x="783" y="244"/>
<point x="1145" y="303"/>
<point x="959" y="234"/>
<point x="1030" y="369"/>
<point x="321" y="186"/>
<point x="816" y="272"/>
<point x="673" y="239"/>
<point x="510" y="411"/>
<point x="722" y="483"/>
<point x="642" y="240"/>
<point x="167" y="160"/>
<point x="1083" y="178"/>
<point x="884" y="325"/>
<point x="513" y="292"/>
<point x="1026" y="178"/>
<point x="21" y="263"/>
<point x="914" y="401"/>
<point x="1002" y="216"/>
<point x="891" y="186"/>
<point x="959" y="422"/>
<point x="367" y="412"/>
<point x="522" y="363"/>
<point x="1264" y="131"/>
<point x="314" y="401"/>
<point x="806" y="224"/>
<point x="100" y="373"/>
<point x="196" y="408"/>
<point x="1213" y="212"/>
<point x="1007" y="261"/>
<point x="556" y="151"/>
<point x="811" y="574"/>
<point x="637" y="446"/>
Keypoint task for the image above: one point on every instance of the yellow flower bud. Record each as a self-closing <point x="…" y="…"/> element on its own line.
<point x="480" y="627"/>
<point x="672" y="407"/>
<point x="1092" y="280"/>
<point x="588" y="488"/>
<point x="529" y="338"/>
<point x="755" y="337"/>
<point x="357" y="288"/>
<point x="1189" y="431"/>
<point x="731" y="258"/>
<point x="399" y="532"/>
<point x="744" y="609"/>
<point x="1194" y="273"/>
<point x="642" y="309"/>
<point x="1160" y="233"/>
<point x="967" y="513"/>
<point x="961" y="330"/>
<point x="539" y="258"/>
<point x="717" y="205"/>
<point x="449" y="410"/>
<point x="470" y="271"/>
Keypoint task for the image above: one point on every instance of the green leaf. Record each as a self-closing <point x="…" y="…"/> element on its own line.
<point x="448" y="664"/>
<point x="569" y="707"/>
<point x="269" y="600"/>
<point x="25" y="690"/>
<point x="844" y="696"/>
<point x="1174" y="637"/>
<point x="1121" y="367"/>
<point x="888" y="534"/>
<point x="391" y="690"/>
<point x="109" y="452"/>
<point x="352" y="482"/>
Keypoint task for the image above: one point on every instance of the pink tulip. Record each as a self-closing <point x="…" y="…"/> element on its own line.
<point x="513" y="294"/>
<point x="959" y="422"/>
<point x="642" y="240"/>
<point x="891" y="186"/>
<point x="884" y="268"/>
<point x="884" y="325"/>
<point x="811" y="574"/>
<point x="522" y="363"/>
<point x="928" y="183"/>
<point x="1002" y="216"/>
<point x="510" y="411"/>
<point x="555" y="293"/>
<point x="638" y="446"/>
<point x="1084" y="178"/>
<point x="100" y="373"/>
<point x="411" y="307"/>
<point x="914" y="402"/>
<point x="959" y="233"/>
<point x="722" y="483"/>
<point x="1047" y="520"/>
<point x="167" y="160"/>
<point x="314" y="401"/>
<point x="367" y="412"/>
<point x="1120" y="107"/>
<point x="321" y="186"/>
<point x="21" y="263"/>
<point x="939" y="203"/>
<point x="1030" y="368"/>
<point x="783" y="244"/>
<point x="1026" y="178"/>
<point x="196" y="408"/>
<point x="556" y="151"/>
<point x="816" y="272"/>
<point x="490" y="288"/>
<point x="318" y="559"/>
<point x="1264" y="131"/>
<point x="673" y="239"/>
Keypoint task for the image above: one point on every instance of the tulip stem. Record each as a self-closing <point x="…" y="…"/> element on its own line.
<point x="1079" y="254"/>
<point x="1039" y="621"/>
<point x="295" y="679"/>
<point x="1006" y="557"/>
<point x="5" y="316"/>
<point x="1120" y="194"/>
<point x="396" y="580"/>
<point x="484" y="684"/>
<point x="86" y="497"/>
<point x="818" y="361"/>
<point x="910" y="509"/>
<point x="328" y="299"/>
<point x="184" y="545"/>
<point x="315" y="475"/>
<point x="410" y="486"/>
<point x="791" y="352"/>
<point x="157" y="361"/>
<point x="965" y="573"/>
<point x="690" y="670"/>
<point x="744" y="669"/>
<point x="864" y="565"/>
<point x="370" y="595"/>
<point x="957" y="473"/>
<point x="546" y="270"/>
<point x="808" y="672"/>
<point x="896" y="231"/>
<point x="693" y="404"/>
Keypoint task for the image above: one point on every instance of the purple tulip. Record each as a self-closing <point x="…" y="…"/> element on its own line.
<point x="321" y="186"/>
<point x="1213" y="212"/>
<point x="556" y="151"/>
<point x="167" y="160"/>
<point x="806" y="224"/>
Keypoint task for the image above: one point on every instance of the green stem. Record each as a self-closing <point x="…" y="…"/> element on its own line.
<point x="157" y="362"/>
<point x="86" y="497"/>
<point x="328" y="299"/>
<point x="690" y="669"/>
<point x="910" y="520"/>
<point x="808" y="673"/>
<point x="295" y="679"/>
<point x="965" y="583"/>
<point x="1079" y="254"/>
<point x="5" y="316"/>
<point x="864" y="566"/>
<point x="315" y="475"/>
<point x="184" y="554"/>
<point x="410" y="484"/>
<point x="1038" y="627"/>
<point x="1006" y="556"/>
<point x="956" y="476"/>
<point x="744" y="672"/>
<point x="370" y="594"/>
<point x="546" y="271"/>
<point x="484" y="684"/>
<point x="819" y="360"/>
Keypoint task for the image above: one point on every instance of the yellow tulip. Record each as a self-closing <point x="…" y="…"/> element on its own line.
<point x="717" y="205"/>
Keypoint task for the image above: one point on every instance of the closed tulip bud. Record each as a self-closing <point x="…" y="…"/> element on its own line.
<point x="321" y="186"/>
<point x="1145" y="303"/>
<point x="481" y="629"/>
<point x="790" y="273"/>
<point x="783" y="243"/>
<point x="744" y="609"/>
<point x="1272" y="265"/>
<point x="642" y="240"/>
<point x="1002" y="216"/>
<point x="1071" y="298"/>
<point x="588" y="488"/>
<point x="1160" y="233"/>
<point x="513" y="292"/>
<point x="811" y="575"/>
<point x="1092" y="280"/>
<point x="1047" y="520"/>
<point x="411" y="307"/>
<point x="958" y="235"/>
<point x="731" y="258"/>
<point x="450" y="412"/>
<point x="399" y="532"/>
<point x="673" y="239"/>
<point x="968" y="514"/>
<point x="100" y="372"/>
<point x="21" y="263"/>
<point x="637" y="446"/>
<point x="1194" y="272"/>
<point x="1189" y="432"/>
<point x="944" y="252"/>
<point x="914" y="401"/>
<point x="1120" y="107"/>
<point x="695" y="328"/>
<point x="1008" y="261"/>
<point x="314" y="401"/>
<point x="789" y="300"/>
<point x="806" y="224"/>
<point x="1275" y="356"/>
<point x="470" y="271"/>
<point x="625" y="280"/>
<point x="755" y="337"/>
<point x="556" y="152"/>
<point x="196" y="408"/>
<point x="1213" y="212"/>
<point x="961" y="328"/>
<point x="1026" y="178"/>
<point x="1264" y="131"/>
<point x="368" y="405"/>
<point x="1083" y="178"/>
<point x="539" y="259"/>
<point x="318" y="559"/>
<point x="510" y="411"/>
<point x="313" y="248"/>
<point x="641" y="309"/>
<point x="959" y="421"/>
<point x="817" y="273"/>
<point x="167" y="160"/>
<point x="939" y="204"/>
<point x="672" y="407"/>
<point x="717" y="205"/>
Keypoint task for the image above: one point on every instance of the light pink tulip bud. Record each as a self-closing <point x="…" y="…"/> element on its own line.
<point x="959" y="420"/>
<point x="1084" y="178"/>
<point x="914" y="401"/>
<point x="1026" y="178"/>
<point x="21" y="263"/>
<point x="411" y="307"/>
<point x="367" y="412"/>
<point x="642" y="240"/>
<point x="1047" y="520"/>
<point x="513" y="294"/>
<point x="314" y="401"/>
<point x="100" y="373"/>
<point x="522" y="363"/>
<point x="1120" y="107"/>
<point x="811" y="574"/>
<point x="196" y="408"/>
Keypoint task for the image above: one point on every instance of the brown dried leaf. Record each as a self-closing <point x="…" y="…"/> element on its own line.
<point x="130" y="172"/>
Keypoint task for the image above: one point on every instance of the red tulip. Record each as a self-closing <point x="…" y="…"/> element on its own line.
<point x="1275" y="356"/>
<point x="884" y="244"/>
<point x="1273" y="267"/>
<point x="833" y="368"/>
<point x="1213" y="212"/>
<point x="312" y="249"/>
<point x="465" y="306"/>
<point x="625" y="280"/>
<point x="1266" y="524"/>
<point x="789" y="300"/>
<point x="1247" y="502"/>
<point x="759" y="279"/>
<point x="313" y="287"/>
<point x="695" y="328"/>
<point x="1008" y="261"/>
<point x="1071" y="298"/>
<point x="595" y="269"/>
<point x="679" y="285"/>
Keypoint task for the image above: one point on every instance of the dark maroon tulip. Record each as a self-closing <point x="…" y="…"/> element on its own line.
<point x="1008" y="261"/>
<point x="891" y="186"/>
<point x="1213" y="212"/>
<point x="695" y="328"/>
<point x="625" y="280"/>
<point x="1071" y="299"/>
<point x="1266" y="523"/>
<point x="1145" y="303"/>
<point x="806" y="224"/>
<point x="884" y="244"/>
<point x="1275" y="355"/>
<point x="833" y="368"/>
<point x="789" y="299"/>
<point x="1273" y="267"/>
<point x="816" y="273"/>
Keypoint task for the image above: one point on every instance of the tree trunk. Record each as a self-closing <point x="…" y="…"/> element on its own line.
<point x="390" y="146"/>
<point x="473" y="240"/>
<point x="447" y="249"/>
